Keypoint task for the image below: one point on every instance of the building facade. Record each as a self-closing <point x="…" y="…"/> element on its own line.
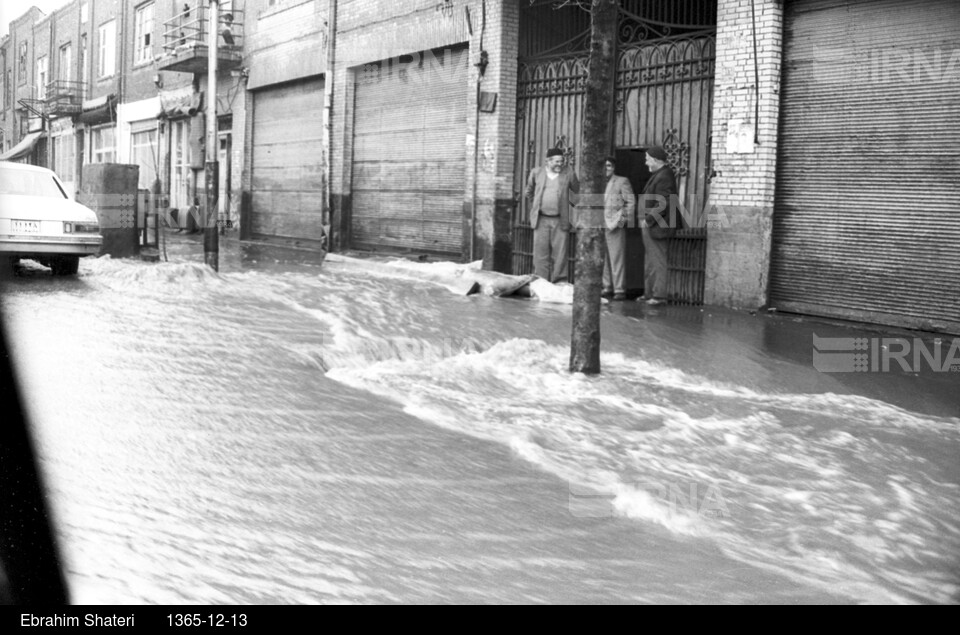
<point x="814" y="141"/>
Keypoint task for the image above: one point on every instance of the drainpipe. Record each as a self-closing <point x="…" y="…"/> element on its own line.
<point x="327" y="212"/>
<point x="52" y="63"/>
<point x="211" y="180"/>
<point x="123" y="55"/>
<point x="476" y="143"/>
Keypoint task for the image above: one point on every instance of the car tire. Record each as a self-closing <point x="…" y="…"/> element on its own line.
<point x="65" y="265"/>
<point x="8" y="267"/>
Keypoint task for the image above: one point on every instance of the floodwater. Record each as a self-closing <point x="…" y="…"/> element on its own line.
<point x="285" y="432"/>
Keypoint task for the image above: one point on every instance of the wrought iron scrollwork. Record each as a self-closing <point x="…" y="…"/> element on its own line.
<point x="552" y="77"/>
<point x="666" y="62"/>
<point x="678" y="152"/>
<point x="633" y="29"/>
<point x="569" y="154"/>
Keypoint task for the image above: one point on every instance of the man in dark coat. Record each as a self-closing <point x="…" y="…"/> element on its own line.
<point x="658" y="206"/>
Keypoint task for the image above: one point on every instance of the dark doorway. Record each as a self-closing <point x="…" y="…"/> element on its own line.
<point x="631" y="164"/>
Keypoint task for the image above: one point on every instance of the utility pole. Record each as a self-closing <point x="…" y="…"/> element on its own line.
<point x="597" y="136"/>
<point x="211" y="234"/>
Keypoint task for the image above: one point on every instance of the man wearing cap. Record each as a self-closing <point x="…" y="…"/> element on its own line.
<point x="618" y="205"/>
<point x="549" y="187"/>
<point x="658" y="206"/>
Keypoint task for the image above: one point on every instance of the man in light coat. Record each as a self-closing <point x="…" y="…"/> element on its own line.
<point x="619" y="202"/>
<point x="551" y="188"/>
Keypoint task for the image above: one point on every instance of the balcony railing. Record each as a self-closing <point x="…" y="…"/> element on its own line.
<point x="64" y="98"/>
<point x="185" y="42"/>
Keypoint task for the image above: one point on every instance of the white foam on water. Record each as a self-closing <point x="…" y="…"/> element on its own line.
<point x="791" y="482"/>
<point x="814" y="486"/>
<point x="118" y="273"/>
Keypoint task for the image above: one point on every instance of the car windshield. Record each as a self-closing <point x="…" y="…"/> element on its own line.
<point x="29" y="183"/>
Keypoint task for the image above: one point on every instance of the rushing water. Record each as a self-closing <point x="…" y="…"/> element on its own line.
<point x="286" y="432"/>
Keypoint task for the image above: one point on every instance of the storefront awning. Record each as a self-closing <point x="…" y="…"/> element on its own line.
<point x="23" y="148"/>
<point x="100" y="110"/>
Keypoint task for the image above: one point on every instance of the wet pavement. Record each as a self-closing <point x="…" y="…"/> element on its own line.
<point x="297" y="431"/>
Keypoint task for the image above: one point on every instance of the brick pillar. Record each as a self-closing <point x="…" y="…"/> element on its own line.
<point x="341" y="152"/>
<point x="496" y="136"/>
<point x="744" y="153"/>
<point x="246" y="172"/>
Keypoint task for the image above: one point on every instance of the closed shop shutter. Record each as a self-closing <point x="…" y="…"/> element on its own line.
<point x="287" y="169"/>
<point x="867" y="212"/>
<point x="409" y="165"/>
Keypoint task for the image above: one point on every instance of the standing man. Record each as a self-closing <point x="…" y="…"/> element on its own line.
<point x="658" y="205"/>
<point x="619" y="202"/>
<point x="549" y="188"/>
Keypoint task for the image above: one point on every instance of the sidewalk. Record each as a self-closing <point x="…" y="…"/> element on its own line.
<point x="237" y="255"/>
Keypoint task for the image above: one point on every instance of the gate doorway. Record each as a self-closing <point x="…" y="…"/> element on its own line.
<point x="664" y="96"/>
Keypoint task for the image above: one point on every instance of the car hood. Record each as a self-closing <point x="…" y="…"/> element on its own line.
<point x="44" y="208"/>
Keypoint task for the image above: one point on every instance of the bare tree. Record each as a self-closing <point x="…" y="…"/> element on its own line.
<point x="597" y="129"/>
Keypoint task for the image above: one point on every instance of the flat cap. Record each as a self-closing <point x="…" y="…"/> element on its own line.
<point x="657" y="153"/>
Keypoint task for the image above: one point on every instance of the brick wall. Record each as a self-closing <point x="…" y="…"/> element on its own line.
<point x="21" y="32"/>
<point x="138" y="76"/>
<point x="66" y="22"/>
<point x="744" y="153"/>
<point x="101" y="12"/>
<point x="496" y="138"/>
<point x="285" y="40"/>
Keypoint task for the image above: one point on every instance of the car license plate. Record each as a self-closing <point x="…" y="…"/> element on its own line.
<point x="25" y="226"/>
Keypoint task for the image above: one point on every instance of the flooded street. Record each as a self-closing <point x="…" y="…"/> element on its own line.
<point x="286" y="432"/>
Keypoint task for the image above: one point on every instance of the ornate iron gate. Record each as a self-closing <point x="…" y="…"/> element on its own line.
<point x="664" y="96"/>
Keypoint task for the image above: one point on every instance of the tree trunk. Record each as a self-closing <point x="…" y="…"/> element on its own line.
<point x="597" y="129"/>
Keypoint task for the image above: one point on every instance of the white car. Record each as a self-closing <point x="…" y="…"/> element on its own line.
<point x="39" y="220"/>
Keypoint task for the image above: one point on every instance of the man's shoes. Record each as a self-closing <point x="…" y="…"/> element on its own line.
<point x="607" y="294"/>
<point x="619" y="297"/>
<point x="655" y="301"/>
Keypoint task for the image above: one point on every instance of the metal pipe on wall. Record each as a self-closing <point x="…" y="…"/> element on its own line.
<point x="211" y="238"/>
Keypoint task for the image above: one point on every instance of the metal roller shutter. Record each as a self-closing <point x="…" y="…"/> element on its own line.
<point x="288" y="161"/>
<point x="867" y="212"/>
<point x="409" y="156"/>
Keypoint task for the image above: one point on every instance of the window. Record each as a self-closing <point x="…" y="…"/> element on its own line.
<point x="65" y="73"/>
<point x="6" y="89"/>
<point x="107" y="39"/>
<point x="22" y="64"/>
<point x="143" y="34"/>
<point x="102" y="145"/>
<point x="143" y="152"/>
<point x="84" y="12"/>
<point x="84" y="67"/>
<point x="42" y="67"/>
<point x="64" y="157"/>
<point x="180" y="172"/>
